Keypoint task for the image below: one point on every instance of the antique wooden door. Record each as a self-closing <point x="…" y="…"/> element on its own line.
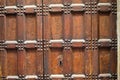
<point x="58" y="39"/>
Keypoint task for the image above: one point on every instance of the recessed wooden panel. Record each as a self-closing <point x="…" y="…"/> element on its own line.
<point x="31" y="61"/>
<point x="30" y="27"/>
<point x="0" y="63"/>
<point x="60" y="23"/>
<point x="12" y="62"/>
<point x="2" y="21"/>
<point x="56" y="61"/>
<point x="56" y="26"/>
<point x="104" y="60"/>
<point x="113" y="61"/>
<point x="78" y="61"/>
<point x="113" y="25"/>
<point x="78" y="26"/>
<point x="11" y="28"/>
<point x="30" y="2"/>
<point x="104" y="26"/>
<point x="11" y="2"/>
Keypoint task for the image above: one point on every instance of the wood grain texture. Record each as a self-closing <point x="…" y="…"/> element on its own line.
<point x="12" y="62"/>
<point x="51" y="41"/>
<point x="78" y="26"/>
<point x="22" y="62"/>
<point x="4" y="63"/>
<point x="77" y="1"/>
<point x="21" y="27"/>
<point x="103" y="1"/>
<point x="2" y="2"/>
<point x="55" y="56"/>
<point x="2" y="27"/>
<point x="78" y="61"/>
<point x="56" y="26"/>
<point x="30" y="27"/>
<point x="11" y="2"/>
<point x="30" y="2"/>
<point x="31" y="62"/>
<point x="11" y="27"/>
<point x="104" y="58"/>
<point x="104" y="24"/>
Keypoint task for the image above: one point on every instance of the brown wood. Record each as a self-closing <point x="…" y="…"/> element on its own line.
<point x="56" y="39"/>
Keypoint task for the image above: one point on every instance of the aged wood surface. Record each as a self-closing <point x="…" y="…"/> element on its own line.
<point x="56" y="39"/>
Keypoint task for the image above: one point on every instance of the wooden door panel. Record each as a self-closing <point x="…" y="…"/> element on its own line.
<point x="11" y="27"/>
<point x="104" y="60"/>
<point x="66" y="31"/>
<point x="31" y="62"/>
<point x="78" y="61"/>
<point x="58" y="39"/>
<point x="102" y="34"/>
<point x="104" y="24"/>
<point x="78" y="26"/>
<point x="30" y="27"/>
<point x="4" y="62"/>
<point x="21" y="40"/>
<point x="12" y="62"/>
<point x="56" y="28"/>
<point x="56" y="61"/>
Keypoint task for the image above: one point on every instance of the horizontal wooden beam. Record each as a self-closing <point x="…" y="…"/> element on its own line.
<point x="62" y="76"/>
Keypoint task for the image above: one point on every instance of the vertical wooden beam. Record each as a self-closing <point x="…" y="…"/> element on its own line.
<point x="118" y="36"/>
<point x="94" y="38"/>
<point x="21" y="25"/>
<point x="21" y="53"/>
<point x="4" y="62"/>
<point x="88" y="38"/>
<point x="3" y="51"/>
<point x="39" y="55"/>
<point x="21" y="38"/>
<point x="21" y="62"/>
<point x="67" y="52"/>
<point x="113" y="55"/>
<point x="45" y="34"/>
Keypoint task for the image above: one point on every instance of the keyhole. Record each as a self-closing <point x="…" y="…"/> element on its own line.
<point x="60" y="60"/>
<point x="60" y="63"/>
